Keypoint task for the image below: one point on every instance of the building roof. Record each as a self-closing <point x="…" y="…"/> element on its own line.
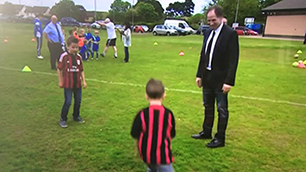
<point x="287" y="5"/>
<point x="37" y="10"/>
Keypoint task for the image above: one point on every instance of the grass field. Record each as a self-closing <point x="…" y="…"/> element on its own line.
<point x="266" y="130"/>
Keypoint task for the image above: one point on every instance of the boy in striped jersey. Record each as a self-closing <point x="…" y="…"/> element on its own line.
<point x="70" y="74"/>
<point x="154" y="128"/>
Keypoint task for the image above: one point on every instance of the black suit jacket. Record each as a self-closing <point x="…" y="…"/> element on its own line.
<point x="224" y="60"/>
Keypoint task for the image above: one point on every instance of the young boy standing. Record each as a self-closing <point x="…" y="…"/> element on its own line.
<point x="154" y="128"/>
<point x="70" y="75"/>
<point x="95" y="44"/>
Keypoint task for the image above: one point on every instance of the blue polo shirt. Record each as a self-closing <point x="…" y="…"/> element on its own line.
<point x="52" y="33"/>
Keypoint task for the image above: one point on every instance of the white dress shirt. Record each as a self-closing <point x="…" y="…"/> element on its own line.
<point x="217" y="32"/>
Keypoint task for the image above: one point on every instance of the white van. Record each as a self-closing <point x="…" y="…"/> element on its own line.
<point x="179" y="23"/>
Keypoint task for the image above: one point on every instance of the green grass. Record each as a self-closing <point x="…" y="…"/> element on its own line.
<point x="261" y="135"/>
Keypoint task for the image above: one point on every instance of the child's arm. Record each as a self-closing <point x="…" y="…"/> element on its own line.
<point x="60" y="78"/>
<point x="173" y="131"/>
<point x="83" y="79"/>
<point x="136" y="128"/>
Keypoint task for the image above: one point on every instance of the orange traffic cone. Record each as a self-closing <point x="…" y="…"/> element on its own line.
<point x="5" y="40"/>
<point x="181" y="53"/>
<point x="33" y="39"/>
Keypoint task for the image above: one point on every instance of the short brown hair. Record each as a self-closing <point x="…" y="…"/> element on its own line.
<point x="155" y="89"/>
<point x="218" y="10"/>
<point x="71" y="40"/>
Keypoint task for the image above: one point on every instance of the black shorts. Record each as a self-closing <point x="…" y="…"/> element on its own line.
<point x="111" y="42"/>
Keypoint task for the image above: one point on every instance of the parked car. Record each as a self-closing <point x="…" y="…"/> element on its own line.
<point x="95" y="25"/>
<point x="179" y="30"/>
<point x="120" y="27"/>
<point x="138" y="29"/>
<point x="179" y="23"/>
<point x="145" y="28"/>
<point x="202" y="29"/>
<point x="242" y="30"/>
<point x="69" y="21"/>
<point x="164" y="30"/>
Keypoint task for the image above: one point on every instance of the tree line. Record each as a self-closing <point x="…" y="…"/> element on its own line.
<point x="151" y="11"/>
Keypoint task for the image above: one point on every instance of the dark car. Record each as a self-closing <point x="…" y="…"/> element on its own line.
<point x="179" y="30"/>
<point x="202" y="29"/>
<point x="69" y="21"/>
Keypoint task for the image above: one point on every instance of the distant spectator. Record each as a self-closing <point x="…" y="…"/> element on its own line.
<point x="56" y="41"/>
<point x="38" y="31"/>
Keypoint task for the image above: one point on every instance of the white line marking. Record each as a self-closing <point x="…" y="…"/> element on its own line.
<point x="171" y="89"/>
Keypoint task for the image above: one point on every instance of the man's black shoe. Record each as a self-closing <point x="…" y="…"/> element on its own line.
<point x="201" y="135"/>
<point x="215" y="143"/>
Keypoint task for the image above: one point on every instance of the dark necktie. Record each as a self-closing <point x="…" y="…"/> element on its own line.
<point x="58" y="33"/>
<point x="210" y="44"/>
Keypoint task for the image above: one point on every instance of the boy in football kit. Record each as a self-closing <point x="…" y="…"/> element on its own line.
<point x="71" y="76"/>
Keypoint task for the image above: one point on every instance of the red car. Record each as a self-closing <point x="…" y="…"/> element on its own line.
<point x="241" y="30"/>
<point x="138" y="29"/>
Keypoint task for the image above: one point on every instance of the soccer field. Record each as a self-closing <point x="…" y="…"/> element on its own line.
<point x="266" y="129"/>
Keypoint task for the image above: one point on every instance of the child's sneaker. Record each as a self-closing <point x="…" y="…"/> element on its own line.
<point x="115" y="56"/>
<point x="79" y="119"/>
<point x="91" y="58"/>
<point x="96" y="58"/>
<point x="63" y="123"/>
<point x="102" y="54"/>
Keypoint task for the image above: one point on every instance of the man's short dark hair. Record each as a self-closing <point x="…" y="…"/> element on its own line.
<point x="155" y="89"/>
<point x="71" y="40"/>
<point x="218" y="10"/>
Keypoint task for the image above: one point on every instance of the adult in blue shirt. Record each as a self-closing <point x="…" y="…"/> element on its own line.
<point x="53" y="34"/>
<point x="38" y="34"/>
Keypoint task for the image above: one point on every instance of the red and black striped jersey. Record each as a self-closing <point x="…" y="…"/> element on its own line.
<point x="154" y="127"/>
<point x="72" y="67"/>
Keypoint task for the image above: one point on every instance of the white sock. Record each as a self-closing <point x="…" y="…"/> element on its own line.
<point x="116" y="54"/>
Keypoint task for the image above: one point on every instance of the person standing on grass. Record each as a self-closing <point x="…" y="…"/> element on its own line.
<point x="126" y="38"/>
<point x="95" y="44"/>
<point x="111" y="36"/>
<point x="216" y="74"/>
<point x="38" y="34"/>
<point x="70" y="74"/>
<point x="154" y="128"/>
<point x="56" y="42"/>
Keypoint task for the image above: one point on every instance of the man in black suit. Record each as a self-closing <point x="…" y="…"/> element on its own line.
<point x="216" y="74"/>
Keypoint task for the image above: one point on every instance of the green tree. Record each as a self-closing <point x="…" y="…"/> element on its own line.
<point x="118" y="10"/>
<point x="188" y="8"/>
<point x="120" y="6"/>
<point x="157" y="7"/>
<point x="247" y="8"/>
<point x="175" y="9"/>
<point x="146" y="12"/>
<point x="180" y="9"/>
<point x="66" y="8"/>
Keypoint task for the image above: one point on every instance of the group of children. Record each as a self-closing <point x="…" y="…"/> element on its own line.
<point x="88" y="42"/>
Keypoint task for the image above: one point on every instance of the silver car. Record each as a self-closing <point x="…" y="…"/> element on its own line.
<point x="164" y="30"/>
